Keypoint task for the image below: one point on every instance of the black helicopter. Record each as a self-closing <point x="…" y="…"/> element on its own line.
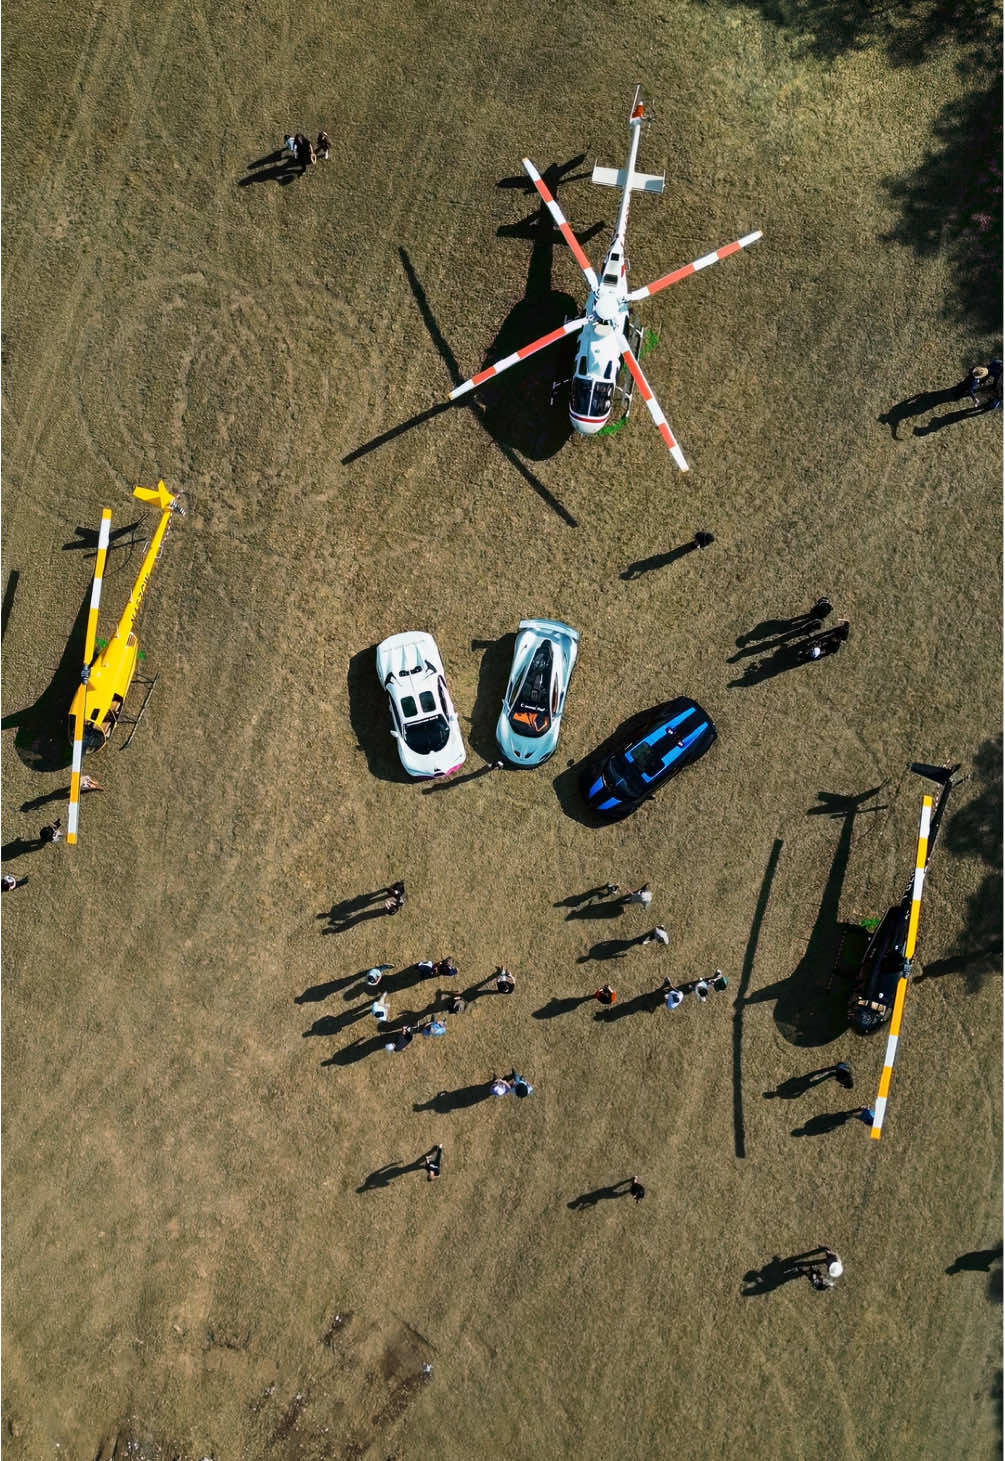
<point x="885" y="961"/>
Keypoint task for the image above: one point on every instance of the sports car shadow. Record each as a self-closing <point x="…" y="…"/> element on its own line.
<point x="370" y="718"/>
<point x="493" y="675"/>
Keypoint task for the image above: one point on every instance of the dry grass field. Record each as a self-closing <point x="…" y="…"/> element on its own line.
<point x="216" y="1239"/>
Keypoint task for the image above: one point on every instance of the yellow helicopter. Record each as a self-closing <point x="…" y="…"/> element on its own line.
<point x="105" y="680"/>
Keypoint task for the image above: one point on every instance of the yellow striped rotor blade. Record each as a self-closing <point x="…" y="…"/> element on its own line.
<point x="912" y="938"/>
<point x="73" y="812"/>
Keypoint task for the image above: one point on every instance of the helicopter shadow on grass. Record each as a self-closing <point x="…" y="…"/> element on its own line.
<point x="811" y="1004"/>
<point x="41" y="739"/>
<point x="370" y="718"/>
<point x="493" y="677"/>
<point x="516" y="403"/>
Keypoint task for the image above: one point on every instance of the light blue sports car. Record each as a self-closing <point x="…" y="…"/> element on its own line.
<point x="543" y="660"/>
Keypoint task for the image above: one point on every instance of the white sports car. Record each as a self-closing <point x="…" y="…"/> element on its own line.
<point x="423" y="719"/>
<point x="543" y="660"/>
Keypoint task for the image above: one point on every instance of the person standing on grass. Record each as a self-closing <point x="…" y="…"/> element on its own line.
<point x="521" y="1087"/>
<point x="402" y="1040"/>
<point x="825" y="1275"/>
<point x="636" y="1189"/>
<point x="380" y="1010"/>
<point x="432" y="1161"/>
<point x="433" y="1027"/>
<point x="51" y="832"/>
<point x="9" y="882"/>
<point x="376" y="974"/>
<point x="641" y="895"/>
<point x="605" y="994"/>
<point x="978" y="375"/>
<point x="505" y="983"/>
<point x="656" y="935"/>
<point x="500" y="1086"/>
<point x="703" y="539"/>
<point x="324" y="146"/>
<point x="673" y="996"/>
<point x="844" y="1075"/>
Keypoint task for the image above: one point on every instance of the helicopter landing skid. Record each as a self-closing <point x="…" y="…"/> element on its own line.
<point x="134" y="720"/>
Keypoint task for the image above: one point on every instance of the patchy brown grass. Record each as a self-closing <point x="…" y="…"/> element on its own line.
<point x="185" y="1130"/>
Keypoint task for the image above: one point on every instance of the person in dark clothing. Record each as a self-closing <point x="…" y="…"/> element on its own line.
<point x="51" y="832"/>
<point x="704" y="540"/>
<point x="432" y="1161"/>
<point x="605" y="994"/>
<point x="637" y="1190"/>
<point x="844" y="1075"/>
<point x="402" y="1040"/>
<point x="821" y="645"/>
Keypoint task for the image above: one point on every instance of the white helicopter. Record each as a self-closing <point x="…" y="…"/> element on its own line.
<point x="607" y="330"/>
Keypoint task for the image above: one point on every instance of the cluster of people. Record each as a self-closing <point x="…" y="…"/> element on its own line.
<point x="305" y="152"/>
<point x="701" y="989"/>
<point x="986" y="378"/>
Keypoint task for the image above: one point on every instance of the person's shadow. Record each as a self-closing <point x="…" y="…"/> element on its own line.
<point x="979" y="1260"/>
<point x="798" y="1085"/>
<point x="773" y="1274"/>
<point x="358" y="1050"/>
<point x="457" y="1100"/>
<point x="801" y="631"/>
<point x="19" y="846"/>
<point x="600" y="1194"/>
<point x="950" y="419"/>
<point x="658" y="560"/>
<point x="388" y="1173"/>
<point x="557" y="1006"/>
<point x="650" y="1001"/>
<point x="334" y="1024"/>
<point x="597" y="910"/>
<point x="576" y="900"/>
<point x="318" y="992"/>
<point x="827" y="1121"/>
<point x="610" y="948"/>
<point x="277" y="167"/>
<point x="918" y="404"/>
<point x="783" y="659"/>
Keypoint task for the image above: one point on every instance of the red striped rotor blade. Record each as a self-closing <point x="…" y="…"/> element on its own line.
<point x="654" y="408"/>
<point x="688" y="269"/>
<point x="570" y="328"/>
<point x="561" y="221"/>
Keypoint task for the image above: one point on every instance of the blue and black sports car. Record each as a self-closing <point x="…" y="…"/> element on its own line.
<point x="644" y="753"/>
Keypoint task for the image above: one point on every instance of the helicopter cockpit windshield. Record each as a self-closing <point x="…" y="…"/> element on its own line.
<point x="531" y="713"/>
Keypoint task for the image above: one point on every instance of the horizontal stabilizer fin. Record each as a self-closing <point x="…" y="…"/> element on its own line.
<point x="614" y="177"/>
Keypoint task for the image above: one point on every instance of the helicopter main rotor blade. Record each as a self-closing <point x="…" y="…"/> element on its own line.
<point x="561" y="221"/>
<point x="653" y="407"/>
<point x="702" y="263"/>
<point x="73" y="811"/>
<point x="917" y="890"/>
<point x="569" y="328"/>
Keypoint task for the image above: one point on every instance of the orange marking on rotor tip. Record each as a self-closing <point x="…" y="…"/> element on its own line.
<point x="639" y="111"/>
<point x="544" y="340"/>
<point x="476" y="380"/>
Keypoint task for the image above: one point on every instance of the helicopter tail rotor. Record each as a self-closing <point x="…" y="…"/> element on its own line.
<point x="73" y="811"/>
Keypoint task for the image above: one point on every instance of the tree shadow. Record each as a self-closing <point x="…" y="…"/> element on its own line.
<point x="457" y="1100"/>
<point x="10" y="589"/>
<point x="951" y="204"/>
<point x="975" y="831"/>
<point x="369" y="717"/>
<point x="557" y="1006"/>
<point x="474" y="405"/>
<point x="811" y="1003"/>
<point x="493" y="677"/>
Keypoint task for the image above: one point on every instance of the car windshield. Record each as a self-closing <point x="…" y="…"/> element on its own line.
<point x="426" y="736"/>
<point x="530" y="715"/>
<point x="623" y="777"/>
